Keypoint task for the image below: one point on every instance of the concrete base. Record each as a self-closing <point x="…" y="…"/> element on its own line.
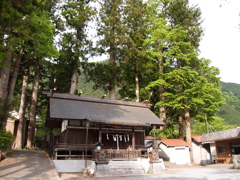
<point x="236" y="161"/>
<point x="73" y="166"/>
<point x="113" y="168"/>
<point x="156" y="167"/>
<point x="101" y="170"/>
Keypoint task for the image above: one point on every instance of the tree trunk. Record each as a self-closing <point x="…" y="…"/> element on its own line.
<point x="137" y="84"/>
<point x="188" y="129"/>
<point x="13" y="79"/>
<point x="21" y="131"/>
<point x="180" y="117"/>
<point x="162" y="109"/>
<point x="33" y="108"/>
<point x="74" y="81"/>
<point x="112" y="80"/>
<point x="4" y="81"/>
<point x="180" y="126"/>
<point x="5" y="74"/>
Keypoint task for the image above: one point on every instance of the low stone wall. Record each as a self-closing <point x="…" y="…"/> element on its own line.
<point x="142" y="166"/>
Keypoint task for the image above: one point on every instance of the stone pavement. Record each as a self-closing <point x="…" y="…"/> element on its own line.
<point x="24" y="164"/>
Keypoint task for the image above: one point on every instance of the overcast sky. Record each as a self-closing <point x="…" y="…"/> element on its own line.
<point x="221" y="42"/>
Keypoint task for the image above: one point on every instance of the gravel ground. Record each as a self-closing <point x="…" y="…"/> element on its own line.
<point x="35" y="165"/>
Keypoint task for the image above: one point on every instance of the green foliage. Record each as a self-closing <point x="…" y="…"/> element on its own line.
<point x="216" y="124"/>
<point x="183" y="81"/>
<point x="135" y="65"/>
<point x="73" y="42"/>
<point x="5" y="140"/>
<point x="230" y="111"/>
<point x="169" y="131"/>
<point x="156" y="41"/>
<point x="4" y="109"/>
<point x="99" y="74"/>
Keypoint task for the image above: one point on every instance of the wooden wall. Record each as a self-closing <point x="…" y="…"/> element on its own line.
<point x="228" y="154"/>
<point x="78" y="136"/>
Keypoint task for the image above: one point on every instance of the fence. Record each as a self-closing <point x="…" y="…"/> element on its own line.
<point x="113" y="154"/>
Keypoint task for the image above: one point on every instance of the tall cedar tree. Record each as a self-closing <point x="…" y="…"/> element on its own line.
<point x="110" y="29"/>
<point x="42" y="48"/>
<point x="134" y="63"/>
<point x="74" y="45"/>
<point x="24" y="30"/>
<point x="179" y="13"/>
<point x="29" y="35"/>
<point x="186" y="85"/>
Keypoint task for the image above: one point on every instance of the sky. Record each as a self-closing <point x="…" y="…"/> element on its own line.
<point x="221" y="40"/>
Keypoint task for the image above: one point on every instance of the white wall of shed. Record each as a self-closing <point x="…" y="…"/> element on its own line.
<point x="175" y="154"/>
<point x="213" y="151"/>
<point x="200" y="154"/>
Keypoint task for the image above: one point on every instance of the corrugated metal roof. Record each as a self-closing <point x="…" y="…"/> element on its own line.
<point x="101" y="110"/>
<point x="174" y="142"/>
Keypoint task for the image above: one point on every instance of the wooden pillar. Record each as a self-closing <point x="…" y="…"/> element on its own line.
<point x="133" y="139"/>
<point x="86" y="146"/>
<point x="117" y="142"/>
<point x="100" y="136"/>
<point x="66" y="137"/>
<point x="155" y="145"/>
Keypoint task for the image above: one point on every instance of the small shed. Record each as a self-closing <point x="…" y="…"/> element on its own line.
<point x="175" y="151"/>
<point x="12" y="122"/>
<point x="201" y="152"/>
<point x="223" y="144"/>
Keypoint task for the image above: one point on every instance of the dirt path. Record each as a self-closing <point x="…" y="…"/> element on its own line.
<point x="23" y="164"/>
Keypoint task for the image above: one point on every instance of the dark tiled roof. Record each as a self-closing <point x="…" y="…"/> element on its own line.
<point x="119" y="112"/>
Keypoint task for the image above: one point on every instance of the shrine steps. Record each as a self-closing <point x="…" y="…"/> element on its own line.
<point x="120" y="168"/>
<point x="125" y="168"/>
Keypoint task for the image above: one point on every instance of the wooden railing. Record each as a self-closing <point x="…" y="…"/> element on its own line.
<point x="73" y="151"/>
<point x="70" y="151"/>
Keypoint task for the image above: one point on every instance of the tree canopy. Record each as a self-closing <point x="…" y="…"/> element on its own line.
<point x="152" y="48"/>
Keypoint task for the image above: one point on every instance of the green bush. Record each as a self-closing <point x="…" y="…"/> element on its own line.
<point x="5" y="140"/>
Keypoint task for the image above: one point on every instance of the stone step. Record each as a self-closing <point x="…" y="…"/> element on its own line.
<point x="124" y="163"/>
<point x="125" y="168"/>
<point x="126" y="172"/>
<point x="120" y="168"/>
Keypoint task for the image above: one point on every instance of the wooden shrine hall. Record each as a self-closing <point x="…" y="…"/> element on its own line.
<point x="89" y="125"/>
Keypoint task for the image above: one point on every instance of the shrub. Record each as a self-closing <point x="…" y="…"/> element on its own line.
<point x="5" y="140"/>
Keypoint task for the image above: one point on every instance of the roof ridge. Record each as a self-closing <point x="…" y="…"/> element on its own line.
<point x="95" y="99"/>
